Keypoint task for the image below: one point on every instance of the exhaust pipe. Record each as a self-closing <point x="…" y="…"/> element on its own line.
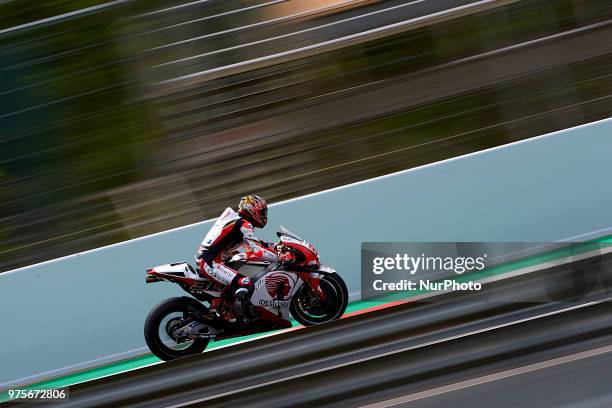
<point x="152" y="278"/>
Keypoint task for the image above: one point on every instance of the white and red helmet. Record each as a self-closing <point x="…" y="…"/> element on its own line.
<point x="254" y="209"/>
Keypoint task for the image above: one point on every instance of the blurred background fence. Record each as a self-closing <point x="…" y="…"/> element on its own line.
<point x="126" y="118"/>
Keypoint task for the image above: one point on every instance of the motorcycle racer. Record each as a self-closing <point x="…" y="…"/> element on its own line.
<point x="303" y="288"/>
<point x="231" y="232"/>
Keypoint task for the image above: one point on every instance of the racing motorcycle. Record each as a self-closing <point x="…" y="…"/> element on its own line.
<point x="306" y="290"/>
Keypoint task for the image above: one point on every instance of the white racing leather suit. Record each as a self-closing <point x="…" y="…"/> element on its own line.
<point x="228" y="235"/>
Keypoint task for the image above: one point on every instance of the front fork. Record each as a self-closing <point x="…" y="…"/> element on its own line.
<point x="313" y="283"/>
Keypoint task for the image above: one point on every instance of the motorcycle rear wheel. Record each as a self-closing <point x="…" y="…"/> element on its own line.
<point x="308" y="310"/>
<point x="164" y="347"/>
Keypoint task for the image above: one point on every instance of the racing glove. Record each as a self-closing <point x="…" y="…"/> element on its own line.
<point x="286" y="259"/>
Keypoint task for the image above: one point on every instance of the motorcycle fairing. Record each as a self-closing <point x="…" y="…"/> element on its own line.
<point x="274" y="290"/>
<point x="324" y="269"/>
<point x="176" y="269"/>
<point x="171" y="268"/>
<point x="284" y="231"/>
<point x="175" y="272"/>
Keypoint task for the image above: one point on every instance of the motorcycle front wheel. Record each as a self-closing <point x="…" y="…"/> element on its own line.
<point x="309" y="309"/>
<point x="158" y="330"/>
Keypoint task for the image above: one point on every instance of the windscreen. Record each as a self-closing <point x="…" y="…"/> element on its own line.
<point x="285" y="231"/>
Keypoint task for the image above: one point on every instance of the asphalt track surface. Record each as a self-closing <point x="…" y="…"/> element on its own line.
<point x="579" y="380"/>
<point x="387" y="355"/>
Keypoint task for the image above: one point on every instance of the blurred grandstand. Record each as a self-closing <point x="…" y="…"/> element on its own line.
<point x="125" y="118"/>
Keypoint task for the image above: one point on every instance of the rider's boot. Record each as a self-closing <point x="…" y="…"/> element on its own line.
<point x="223" y="305"/>
<point x="241" y="289"/>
